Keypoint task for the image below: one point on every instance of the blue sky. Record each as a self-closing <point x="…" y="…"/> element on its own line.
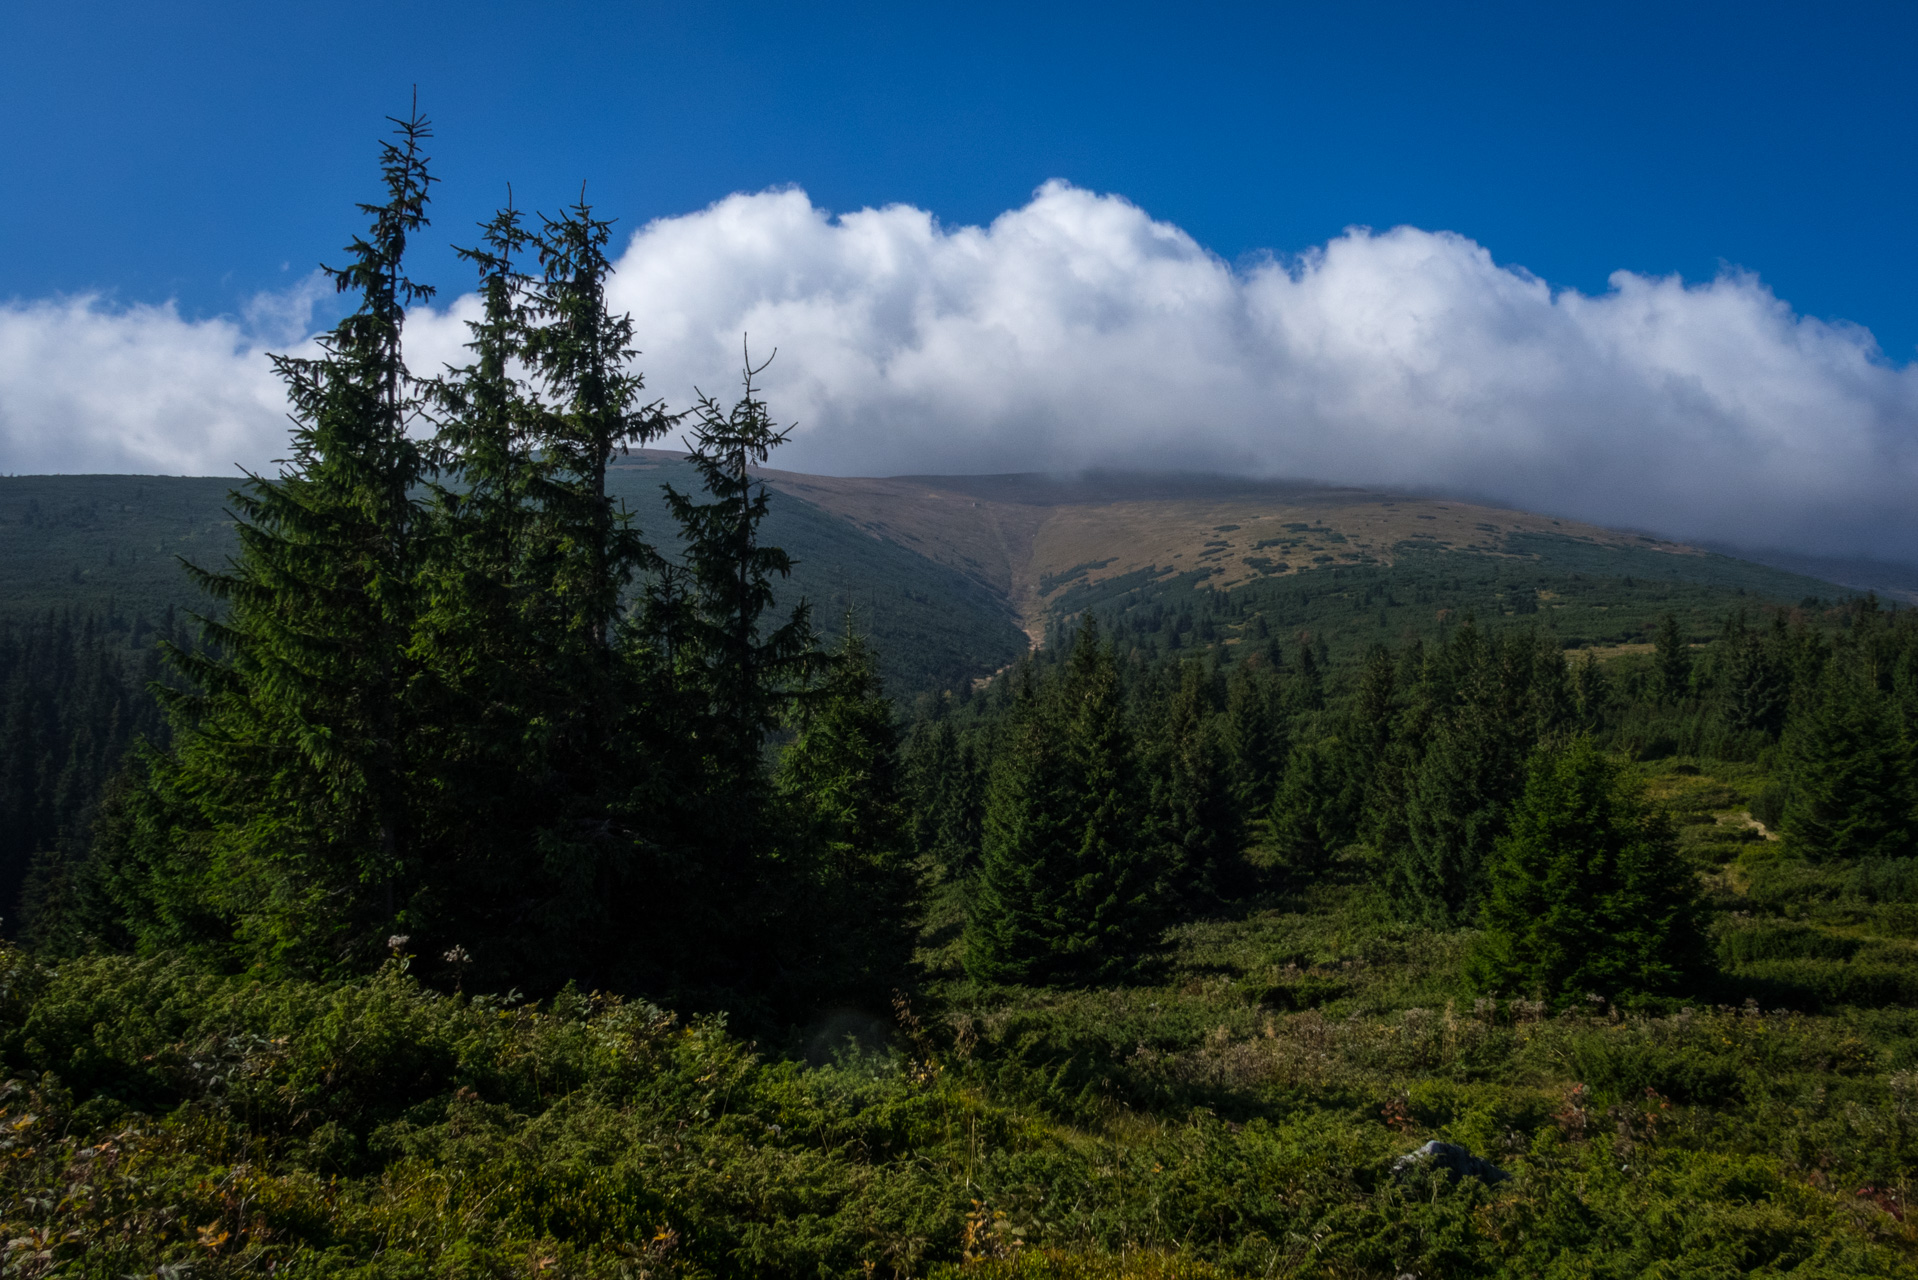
<point x="187" y="151"/>
<point x="1645" y="265"/>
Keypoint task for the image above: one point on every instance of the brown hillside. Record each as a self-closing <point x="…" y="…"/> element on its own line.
<point x="1031" y="537"/>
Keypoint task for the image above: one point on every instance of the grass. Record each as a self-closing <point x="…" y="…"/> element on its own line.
<point x="1237" y="1113"/>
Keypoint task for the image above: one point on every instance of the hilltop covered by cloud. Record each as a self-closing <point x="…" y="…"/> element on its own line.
<point x="1077" y="332"/>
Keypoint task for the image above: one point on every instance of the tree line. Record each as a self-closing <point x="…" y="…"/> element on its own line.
<point x="71" y="706"/>
<point x="1100" y="792"/>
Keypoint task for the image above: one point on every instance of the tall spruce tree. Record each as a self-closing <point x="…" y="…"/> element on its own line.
<point x="583" y="551"/>
<point x="1020" y="904"/>
<point x="1376" y="707"/>
<point x="719" y="674"/>
<point x="747" y="672"/>
<point x="1587" y="893"/>
<point x="947" y="785"/>
<point x="1750" y="681"/>
<point x="1671" y="661"/>
<point x="71" y="705"/>
<point x="1255" y="732"/>
<point x="492" y="668"/>
<point x="291" y="798"/>
<point x="586" y="547"/>
<point x="1591" y="694"/>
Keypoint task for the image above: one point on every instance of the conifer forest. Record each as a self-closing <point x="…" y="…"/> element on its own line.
<point x="483" y="884"/>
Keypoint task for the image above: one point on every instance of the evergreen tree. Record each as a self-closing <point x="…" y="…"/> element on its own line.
<point x="855" y="913"/>
<point x="1192" y="791"/>
<point x="71" y="706"/>
<point x="947" y="784"/>
<point x="1750" y="682"/>
<point x="1305" y="692"/>
<point x="1591" y="694"/>
<point x="1315" y="810"/>
<point x="1021" y="904"/>
<point x="496" y="675"/>
<point x="747" y="674"/>
<point x="293" y="776"/>
<point x="1064" y="891"/>
<point x="1671" y="661"/>
<point x="716" y="680"/>
<point x="1255" y="734"/>
<point x="1479" y="726"/>
<point x="583" y="353"/>
<point x="1849" y="773"/>
<point x="1554" y="700"/>
<point x="1376" y="706"/>
<point x="1588" y="893"/>
<point x="585" y="548"/>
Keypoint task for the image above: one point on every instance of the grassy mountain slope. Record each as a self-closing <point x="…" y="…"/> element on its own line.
<point x="1363" y="565"/>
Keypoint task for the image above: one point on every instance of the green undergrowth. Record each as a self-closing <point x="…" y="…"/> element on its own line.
<point x="1238" y="1113"/>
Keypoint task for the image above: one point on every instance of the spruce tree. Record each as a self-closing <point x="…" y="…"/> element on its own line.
<point x="1020" y="904"/>
<point x="1672" y="661"/>
<point x="1064" y="892"/>
<point x="746" y="672"/>
<point x="1116" y="870"/>
<point x="1750" y="682"/>
<point x="1477" y="726"/>
<point x="1191" y="781"/>
<point x="853" y="912"/>
<point x="1587" y="894"/>
<point x="1305" y="691"/>
<point x="1849" y="772"/>
<point x="70" y="708"/>
<point x="1591" y="694"/>
<point x="1551" y="691"/>
<point x="1313" y="815"/>
<point x="716" y="676"/>
<point x="494" y="671"/>
<point x="293" y="779"/>
<point x="947" y="784"/>
<point x="585" y="547"/>
<point x="1376" y="707"/>
<point x="1255" y="734"/>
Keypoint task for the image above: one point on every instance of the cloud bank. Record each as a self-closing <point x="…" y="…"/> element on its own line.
<point x="1077" y="332"/>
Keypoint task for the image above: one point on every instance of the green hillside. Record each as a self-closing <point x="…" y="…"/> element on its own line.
<point x="108" y="543"/>
<point x="932" y="626"/>
<point x="111" y="544"/>
<point x="1588" y="595"/>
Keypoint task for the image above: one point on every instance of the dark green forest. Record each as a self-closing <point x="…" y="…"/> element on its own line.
<point x="491" y="878"/>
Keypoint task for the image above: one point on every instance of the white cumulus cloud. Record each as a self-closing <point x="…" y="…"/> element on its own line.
<point x="1077" y="332"/>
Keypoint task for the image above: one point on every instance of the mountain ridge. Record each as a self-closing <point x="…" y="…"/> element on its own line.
<point x="1037" y="539"/>
<point x="955" y="576"/>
